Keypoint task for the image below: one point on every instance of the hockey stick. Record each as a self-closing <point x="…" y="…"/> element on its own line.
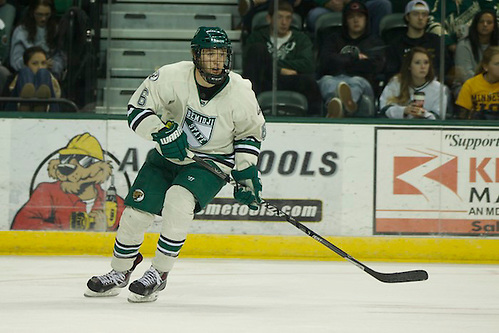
<point x="408" y="276"/>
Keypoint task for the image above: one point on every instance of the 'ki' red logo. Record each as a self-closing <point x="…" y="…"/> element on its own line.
<point x="417" y="174"/>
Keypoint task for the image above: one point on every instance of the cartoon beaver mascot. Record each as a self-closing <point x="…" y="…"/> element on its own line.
<point x="76" y="201"/>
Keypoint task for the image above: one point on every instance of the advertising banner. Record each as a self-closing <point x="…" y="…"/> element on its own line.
<point x="341" y="179"/>
<point x="64" y="174"/>
<point x="436" y="181"/>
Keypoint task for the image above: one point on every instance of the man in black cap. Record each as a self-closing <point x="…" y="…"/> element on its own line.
<point x="349" y="62"/>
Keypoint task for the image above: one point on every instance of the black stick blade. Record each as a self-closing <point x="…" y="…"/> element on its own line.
<point x="409" y="276"/>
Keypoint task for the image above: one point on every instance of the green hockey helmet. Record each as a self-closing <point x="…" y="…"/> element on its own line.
<point x="211" y="38"/>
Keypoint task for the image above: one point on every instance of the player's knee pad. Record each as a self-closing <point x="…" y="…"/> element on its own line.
<point x="133" y="225"/>
<point x="178" y="212"/>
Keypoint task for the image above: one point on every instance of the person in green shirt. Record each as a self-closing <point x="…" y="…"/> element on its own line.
<point x="295" y="59"/>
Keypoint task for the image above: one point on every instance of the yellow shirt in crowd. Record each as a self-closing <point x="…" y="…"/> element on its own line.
<point x="478" y="95"/>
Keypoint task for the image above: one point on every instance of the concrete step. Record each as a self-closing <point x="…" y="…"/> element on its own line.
<point x="147" y="59"/>
<point x="162" y="20"/>
<point x="144" y="58"/>
<point x="117" y="97"/>
<point x="186" y="2"/>
<point x="173" y="8"/>
<point x="160" y="34"/>
<point x="142" y="73"/>
<point x="126" y="83"/>
<point x="139" y="73"/>
<point x="155" y="45"/>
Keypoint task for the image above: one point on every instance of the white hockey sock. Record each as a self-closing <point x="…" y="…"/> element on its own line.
<point x="129" y="238"/>
<point x="178" y="213"/>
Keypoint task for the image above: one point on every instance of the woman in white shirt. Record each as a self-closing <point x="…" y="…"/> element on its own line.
<point x="416" y="75"/>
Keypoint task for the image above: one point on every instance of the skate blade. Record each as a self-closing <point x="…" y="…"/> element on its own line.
<point x="136" y="298"/>
<point x="109" y="293"/>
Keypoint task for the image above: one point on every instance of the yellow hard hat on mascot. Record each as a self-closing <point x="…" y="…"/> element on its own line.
<point x="84" y="144"/>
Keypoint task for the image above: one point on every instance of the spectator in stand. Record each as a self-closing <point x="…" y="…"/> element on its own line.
<point x="479" y="97"/>
<point x="349" y="62"/>
<point x="34" y="80"/>
<point x="483" y="33"/>
<point x="416" y="75"/>
<point x="248" y="9"/>
<point x="416" y="16"/>
<point x="7" y="15"/>
<point x="377" y="10"/>
<point x="295" y="63"/>
<point x="458" y="17"/>
<point x="38" y="28"/>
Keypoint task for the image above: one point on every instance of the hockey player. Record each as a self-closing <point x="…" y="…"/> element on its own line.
<point x="200" y="106"/>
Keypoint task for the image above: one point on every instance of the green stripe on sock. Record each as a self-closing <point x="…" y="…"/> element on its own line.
<point x="123" y="251"/>
<point x="168" y="247"/>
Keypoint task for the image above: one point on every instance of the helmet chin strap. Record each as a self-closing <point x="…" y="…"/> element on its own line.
<point x="212" y="78"/>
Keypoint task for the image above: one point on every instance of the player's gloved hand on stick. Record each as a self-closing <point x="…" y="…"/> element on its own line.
<point x="172" y="141"/>
<point x="249" y="188"/>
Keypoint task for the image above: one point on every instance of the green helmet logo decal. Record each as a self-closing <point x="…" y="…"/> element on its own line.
<point x="210" y="37"/>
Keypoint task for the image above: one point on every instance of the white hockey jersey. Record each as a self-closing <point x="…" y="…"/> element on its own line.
<point x="431" y="103"/>
<point x="228" y="128"/>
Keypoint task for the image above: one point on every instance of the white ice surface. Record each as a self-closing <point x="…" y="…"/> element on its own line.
<point x="45" y="294"/>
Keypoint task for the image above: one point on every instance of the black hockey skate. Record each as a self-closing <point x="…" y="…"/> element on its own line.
<point x="110" y="284"/>
<point x="146" y="288"/>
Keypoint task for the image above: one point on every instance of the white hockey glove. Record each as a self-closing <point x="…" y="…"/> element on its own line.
<point x="248" y="190"/>
<point x="172" y="141"/>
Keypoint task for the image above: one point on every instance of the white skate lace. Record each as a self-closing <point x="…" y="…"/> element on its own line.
<point x="112" y="277"/>
<point x="151" y="277"/>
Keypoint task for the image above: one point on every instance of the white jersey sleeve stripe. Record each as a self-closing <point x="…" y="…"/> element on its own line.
<point x="247" y="149"/>
<point x="136" y="118"/>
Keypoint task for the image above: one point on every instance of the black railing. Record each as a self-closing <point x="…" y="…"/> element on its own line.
<point x="62" y="101"/>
